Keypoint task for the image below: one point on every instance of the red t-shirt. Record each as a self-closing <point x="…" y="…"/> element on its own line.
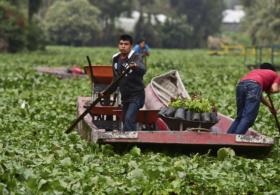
<point x="264" y="77"/>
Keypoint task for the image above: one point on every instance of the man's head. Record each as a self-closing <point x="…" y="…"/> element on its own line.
<point x="125" y="44"/>
<point x="267" y="66"/>
<point x="141" y="43"/>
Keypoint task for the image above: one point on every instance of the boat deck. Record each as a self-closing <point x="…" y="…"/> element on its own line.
<point x="193" y="140"/>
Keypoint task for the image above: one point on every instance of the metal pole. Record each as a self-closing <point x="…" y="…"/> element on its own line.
<point x="107" y="91"/>
<point x="91" y="75"/>
<point x="277" y="138"/>
<point x="275" y="115"/>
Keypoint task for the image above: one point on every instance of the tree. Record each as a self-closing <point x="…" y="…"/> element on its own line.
<point x="262" y="21"/>
<point x="229" y="4"/>
<point x="16" y="33"/>
<point x="73" y="22"/>
<point x="110" y="10"/>
<point x="12" y="29"/>
<point x="204" y="16"/>
<point x="143" y="27"/>
<point x="176" y="33"/>
<point x="33" y="7"/>
<point x="148" y="31"/>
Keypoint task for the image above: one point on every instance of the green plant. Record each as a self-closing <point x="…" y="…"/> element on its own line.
<point x="197" y="104"/>
<point x="176" y="103"/>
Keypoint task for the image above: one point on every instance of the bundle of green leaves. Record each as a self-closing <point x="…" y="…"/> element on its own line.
<point x="197" y="104"/>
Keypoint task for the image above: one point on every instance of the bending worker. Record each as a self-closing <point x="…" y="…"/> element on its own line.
<point x="131" y="86"/>
<point x="249" y="95"/>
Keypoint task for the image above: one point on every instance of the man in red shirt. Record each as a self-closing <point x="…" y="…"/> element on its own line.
<point x="249" y="95"/>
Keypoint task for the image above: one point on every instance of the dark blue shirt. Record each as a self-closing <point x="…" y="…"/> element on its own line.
<point x="132" y="85"/>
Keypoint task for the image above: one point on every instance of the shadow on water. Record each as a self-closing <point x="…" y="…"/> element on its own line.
<point x="176" y="150"/>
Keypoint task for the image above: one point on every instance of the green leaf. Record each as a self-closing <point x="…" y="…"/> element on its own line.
<point x="135" y="151"/>
<point x="66" y="162"/>
<point x="224" y="153"/>
<point x="136" y="174"/>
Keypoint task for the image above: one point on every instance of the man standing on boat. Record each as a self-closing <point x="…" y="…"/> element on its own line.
<point x="249" y="96"/>
<point x="131" y="86"/>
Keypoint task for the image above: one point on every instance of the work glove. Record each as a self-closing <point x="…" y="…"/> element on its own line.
<point x="125" y="66"/>
<point x="130" y="65"/>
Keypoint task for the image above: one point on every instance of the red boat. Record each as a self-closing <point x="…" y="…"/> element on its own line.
<point x="103" y="123"/>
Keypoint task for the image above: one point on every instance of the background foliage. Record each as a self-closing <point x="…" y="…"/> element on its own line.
<point x="37" y="157"/>
<point x="263" y="21"/>
<point x="73" y="23"/>
<point x="68" y="26"/>
<point x="12" y="29"/>
<point x="16" y="32"/>
<point x="93" y="23"/>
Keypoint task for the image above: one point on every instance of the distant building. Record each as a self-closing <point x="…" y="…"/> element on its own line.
<point x="232" y="18"/>
<point x="128" y="23"/>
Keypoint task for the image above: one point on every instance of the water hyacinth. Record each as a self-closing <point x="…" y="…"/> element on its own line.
<point x="37" y="157"/>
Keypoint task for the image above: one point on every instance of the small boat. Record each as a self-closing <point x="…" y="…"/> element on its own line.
<point x="103" y="124"/>
<point x="163" y="88"/>
<point x="62" y="72"/>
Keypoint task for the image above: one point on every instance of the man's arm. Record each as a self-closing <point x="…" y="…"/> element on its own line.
<point x="138" y="64"/>
<point x="147" y="50"/>
<point x="275" y="88"/>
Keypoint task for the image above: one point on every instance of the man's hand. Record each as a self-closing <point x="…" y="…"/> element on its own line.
<point x="275" y="88"/>
<point x="101" y="94"/>
<point x="132" y="65"/>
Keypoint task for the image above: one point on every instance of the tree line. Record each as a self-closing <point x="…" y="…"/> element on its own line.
<point x="93" y="22"/>
<point x="263" y="21"/>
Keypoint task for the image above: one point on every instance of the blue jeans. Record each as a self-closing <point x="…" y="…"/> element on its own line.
<point x="130" y="110"/>
<point x="248" y="98"/>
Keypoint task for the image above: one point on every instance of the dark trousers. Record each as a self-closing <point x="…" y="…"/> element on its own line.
<point x="130" y="110"/>
<point x="248" y="98"/>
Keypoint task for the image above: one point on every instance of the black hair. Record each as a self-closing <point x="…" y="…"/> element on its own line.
<point x="267" y="66"/>
<point x="141" y="40"/>
<point x="126" y="37"/>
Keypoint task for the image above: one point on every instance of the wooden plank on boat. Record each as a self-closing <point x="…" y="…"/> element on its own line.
<point x="120" y="135"/>
<point x="254" y="139"/>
